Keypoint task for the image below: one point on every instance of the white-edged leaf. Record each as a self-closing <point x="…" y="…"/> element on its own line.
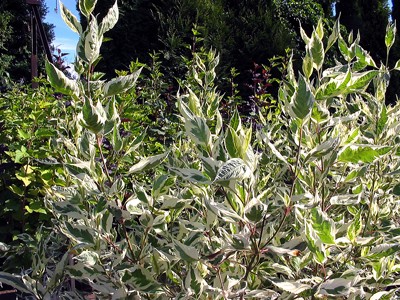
<point x="191" y="175"/>
<point x="187" y="253"/>
<point x="14" y="281"/>
<point x="60" y="82"/>
<point x="291" y="286"/>
<point x="70" y="19"/>
<point x="110" y="19"/>
<point x="89" y="258"/>
<point x="198" y="131"/>
<point x="233" y="169"/>
<point x="147" y="163"/>
<point x="121" y="84"/>
<point x="335" y="287"/>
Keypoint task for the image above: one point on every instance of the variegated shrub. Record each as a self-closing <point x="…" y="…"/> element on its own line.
<point x="306" y="207"/>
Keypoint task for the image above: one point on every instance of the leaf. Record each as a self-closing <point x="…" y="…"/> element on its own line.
<point x="147" y="163"/>
<point x="233" y="169"/>
<point x="397" y="65"/>
<point x="60" y="82"/>
<point x="317" y="51"/>
<point x="335" y="287"/>
<point x="70" y="19"/>
<point x="89" y="258"/>
<point x="93" y="117"/>
<point x="191" y="175"/>
<point x="92" y="42"/>
<point x="361" y="153"/>
<point x="14" y="281"/>
<point x="198" y="131"/>
<point x="360" y="81"/>
<point x="334" y="35"/>
<point x="383" y="250"/>
<point x="187" y="253"/>
<point x="355" y="228"/>
<point x="254" y="210"/>
<point x="396" y="189"/>
<point x="161" y="185"/>
<point x="292" y="287"/>
<point x="110" y="19"/>
<point x="87" y="6"/>
<point x="302" y="100"/>
<point x="80" y="233"/>
<point x="140" y="279"/>
<point x="323" y="226"/>
<point x="390" y="35"/>
<point x="121" y="84"/>
<point x="383" y="118"/>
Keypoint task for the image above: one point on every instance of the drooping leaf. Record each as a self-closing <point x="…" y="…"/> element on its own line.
<point x="355" y="228"/>
<point x="14" y="281"/>
<point x="383" y="250"/>
<point x="93" y="117"/>
<point x="60" y="82"/>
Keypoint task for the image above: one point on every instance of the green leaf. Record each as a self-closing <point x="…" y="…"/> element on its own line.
<point x="121" y="84"/>
<point x="60" y="82"/>
<point x="147" y="163"/>
<point x="233" y="169"/>
<point x="361" y="153"/>
<point x="355" y="228"/>
<point x="254" y="210"/>
<point x="334" y="35"/>
<point x="140" y="279"/>
<point x="198" y="131"/>
<point x="161" y="185"/>
<point x="396" y="190"/>
<point x="191" y="175"/>
<point x="383" y="250"/>
<point x="233" y="143"/>
<point x="317" y="51"/>
<point x="360" y="81"/>
<point x="70" y="19"/>
<point x="390" y="35"/>
<point x="397" y="65"/>
<point x="187" y="253"/>
<point x="307" y="66"/>
<point x="87" y="6"/>
<point x="324" y="227"/>
<point x="93" y="117"/>
<point x="110" y="19"/>
<point x="80" y="233"/>
<point x="14" y="281"/>
<point x="383" y="118"/>
<point x="303" y="99"/>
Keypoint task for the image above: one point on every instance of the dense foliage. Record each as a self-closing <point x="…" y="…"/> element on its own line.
<point x="304" y="205"/>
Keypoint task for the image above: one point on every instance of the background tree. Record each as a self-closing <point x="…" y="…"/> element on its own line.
<point x="15" y="38"/>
